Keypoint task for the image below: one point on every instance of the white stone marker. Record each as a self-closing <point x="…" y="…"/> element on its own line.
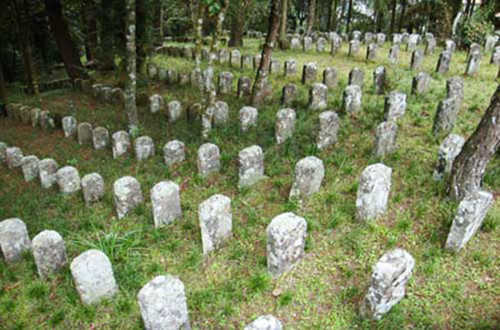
<point x="14" y="239"/>
<point x="92" y="188"/>
<point x="30" y="167"/>
<point x="49" y="252"/>
<point x="174" y="152"/>
<point x="208" y="159"/>
<point x="48" y="172"/>
<point x="309" y="174"/>
<point x="13" y="157"/>
<point x="68" y="180"/>
<point x="166" y="203"/>
<point x="144" y="148"/>
<point x="215" y="221"/>
<point x="328" y="129"/>
<point x="265" y="322"/>
<point x="121" y="143"/>
<point x="373" y="192"/>
<point x="285" y="125"/>
<point x="251" y="166"/>
<point x="248" y="118"/>
<point x="127" y="195"/>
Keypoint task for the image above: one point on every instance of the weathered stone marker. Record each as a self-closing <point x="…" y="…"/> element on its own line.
<point x="100" y="138"/>
<point x="84" y="133"/>
<point x="244" y="86"/>
<point x="121" y="143"/>
<point x="93" y="276"/>
<point x="420" y="83"/>
<point x="220" y="113"/>
<point x="13" y="157"/>
<point x="470" y="215"/>
<point x="68" y="180"/>
<point x="356" y="77"/>
<point x="286" y="239"/>
<point x="379" y="79"/>
<point x="14" y="239"/>
<point x="307" y="44"/>
<point x="47" y="170"/>
<point x="389" y="277"/>
<point x="385" y="138"/>
<point x="215" y="222"/>
<point x="455" y="88"/>
<point x="127" y="194"/>
<point x="174" y="110"/>
<point x="163" y="304"/>
<point x="251" y="166"/>
<point x="289" y="93"/>
<point x="174" y="152"/>
<point x="225" y="83"/>
<point x="309" y="174"/>
<point x="352" y="99"/>
<point x="444" y="62"/>
<point x="69" y="126"/>
<point x="49" y="252"/>
<point x="328" y="129"/>
<point x="446" y="114"/>
<point x="208" y="159"/>
<point x="235" y="61"/>
<point x="395" y="106"/>
<point x="285" y="125"/>
<point x="166" y="203"/>
<point x="248" y="118"/>
<point x="30" y="167"/>
<point x="290" y="67"/>
<point x="309" y="73"/>
<point x="448" y="151"/>
<point x="317" y="96"/>
<point x="354" y="46"/>
<point x="417" y="57"/>
<point x="265" y="322"/>
<point x="92" y="188"/>
<point x="393" y="54"/>
<point x="371" y="52"/>
<point x="330" y="78"/>
<point x="156" y="103"/>
<point x="373" y="192"/>
<point x="473" y="64"/>
<point x="144" y="148"/>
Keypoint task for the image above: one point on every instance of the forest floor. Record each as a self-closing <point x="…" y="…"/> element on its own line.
<point x="231" y="287"/>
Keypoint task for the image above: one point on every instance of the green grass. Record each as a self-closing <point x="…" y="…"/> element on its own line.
<point x="231" y="287"/>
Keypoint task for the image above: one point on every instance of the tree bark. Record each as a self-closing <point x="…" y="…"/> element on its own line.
<point x="131" y="81"/>
<point x="349" y="15"/>
<point x="89" y="21"/>
<point x="310" y="17"/>
<point x="260" y="86"/>
<point x="469" y="166"/>
<point x="283" y="40"/>
<point x="332" y="18"/>
<point x="237" y="23"/>
<point x="393" y="16"/>
<point x="218" y="26"/>
<point x="142" y="36"/>
<point x="158" y="22"/>
<point x="3" y="95"/>
<point x="67" y="49"/>
<point x="342" y="11"/>
<point x="402" y="17"/>
<point x="199" y="34"/>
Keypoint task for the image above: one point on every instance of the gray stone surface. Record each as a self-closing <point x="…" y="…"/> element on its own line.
<point x="352" y="99"/>
<point x="309" y="173"/>
<point x="248" y="118"/>
<point x="274" y="66"/>
<point x="317" y="96"/>
<point x="373" y="192"/>
<point x="289" y="93"/>
<point x="225" y="82"/>
<point x="307" y="44"/>
<point x="251" y="166"/>
<point x="473" y="64"/>
<point x="156" y="103"/>
<point x="121" y="143"/>
<point x="395" y="106"/>
<point x="265" y="322"/>
<point x="394" y="54"/>
<point x="163" y="304"/>
<point x="215" y="222"/>
<point x="495" y="56"/>
<point x="223" y="56"/>
<point x="166" y="203"/>
<point x="144" y="148"/>
<point x="417" y="57"/>
<point x="14" y="239"/>
<point x="444" y="62"/>
<point x="385" y="139"/>
<point x="246" y="61"/>
<point x="48" y="172"/>
<point x="379" y="79"/>
<point x="450" y="45"/>
<point x="208" y="159"/>
<point x="235" y="60"/>
<point x="30" y="167"/>
<point x="92" y="188"/>
<point x="446" y="115"/>
<point x="336" y="44"/>
<point x="294" y="43"/>
<point x="35" y="117"/>
<point x="430" y="46"/>
<point x="290" y="67"/>
<point x="330" y="77"/>
<point x="356" y="77"/>
<point x="354" y="46"/>
<point x="371" y="52"/>
<point x="244" y="86"/>
<point x="69" y="126"/>
<point x="413" y="39"/>
<point x="220" y="113"/>
<point x="286" y="239"/>
<point x="490" y="42"/>
<point x="174" y="152"/>
<point x="421" y="83"/>
<point x="388" y="282"/>
<point x="455" y="88"/>
<point x="448" y="151"/>
<point x="100" y="138"/>
<point x="93" y="277"/>
<point x="127" y="194"/>
<point x="320" y="45"/>
<point x="381" y="37"/>
<point x="13" y="157"/>
<point x="174" y="110"/>
<point x="68" y="180"/>
<point x="285" y="125"/>
<point x="309" y="73"/>
<point x="470" y="215"/>
<point x="328" y="129"/>
<point x="84" y="134"/>
<point x="49" y="252"/>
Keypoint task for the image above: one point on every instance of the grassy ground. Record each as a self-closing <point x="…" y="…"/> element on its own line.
<point x="231" y="287"/>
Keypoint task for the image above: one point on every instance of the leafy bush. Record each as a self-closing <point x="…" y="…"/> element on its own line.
<point x="477" y="27"/>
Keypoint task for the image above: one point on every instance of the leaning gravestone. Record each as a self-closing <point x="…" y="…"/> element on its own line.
<point x="285" y="125"/>
<point x="473" y="64"/>
<point x="93" y="276"/>
<point x="395" y="106"/>
<point x="251" y="166"/>
<point x="417" y="57"/>
<point x="444" y="62"/>
<point x="309" y="73"/>
<point x="68" y="180"/>
<point x="389" y="277"/>
<point x="336" y="44"/>
<point x="379" y="79"/>
<point x="13" y="157"/>
<point x="14" y="239"/>
<point x="100" y="138"/>
<point x="317" y="96"/>
<point x="69" y="126"/>
<point x="84" y="132"/>
<point x="420" y="83"/>
<point x="244" y="86"/>
<point x="144" y="148"/>
<point x="356" y="77"/>
<point x="49" y="252"/>
<point x="290" y="67"/>
<point x="352" y="99"/>
<point x="448" y="151"/>
<point x="328" y="129"/>
<point x="393" y="54"/>
<point x="248" y="118"/>
<point x="373" y="192"/>
<point x="385" y="138"/>
<point x="47" y="169"/>
<point x="430" y="46"/>
<point x="450" y="46"/>
<point x="446" y="115"/>
<point x="174" y="152"/>
<point x="265" y="322"/>
<point x="92" y="188"/>
<point x="470" y="215"/>
<point x="127" y="195"/>
<point x="166" y="203"/>
<point x="455" y="88"/>
<point x="215" y="222"/>
<point x="330" y="78"/>
<point x="286" y="239"/>
<point x="121" y="143"/>
<point x="156" y="103"/>
<point x="371" y="52"/>
<point x="490" y="42"/>
<point x="208" y="159"/>
<point x="289" y="93"/>
<point x="309" y="174"/>
<point x="30" y="167"/>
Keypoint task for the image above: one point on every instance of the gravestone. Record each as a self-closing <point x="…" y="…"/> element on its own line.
<point x="388" y="283"/>
<point x="351" y="99"/>
<point x="320" y="45"/>
<point x="444" y="62"/>
<point x="411" y="46"/>
<point x="354" y="46"/>
<point x="397" y="38"/>
<point x="246" y="61"/>
<point x="49" y="252"/>
<point x="290" y="67"/>
<point x="256" y="61"/>
<point x="417" y="57"/>
<point x="379" y="79"/>
<point x="495" y="56"/>
<point x="14" y="239"/>
<point x="328" y="129"/>
<point x="152" y="71"/>
<point x="93" y="277"/>
<point x="166" y="203"/>
<point x="356" y="35"/>
<point x="356" y="77"/>
<point x="208" y="159"/>
<point x="215" y="222"/>
<point x="317" y="96"/>
<point x="220" y="113"/>
<point x="162" y="302"/>
<point x="421" y="83"/>
<point x="121" y="143"/>
<point x="309" y="73"/>
<point x="294" y="43"/>
<point x="385" y="138"/>
<point x="127" y="195"/>
<point x="162" y="74"/>
<point x="251" y="166"/>
<point x="92" y="188"/>
<point x="330" y="78"/>
<point x="381" y="39"/>
<point x="455" y="88"/>
<point x="371" y="52"/>
<point x="69" y="126"/>
<point x="448" y="151"/>
<point x="336" y="44"/>
<point x="446" y="115"/>
<point x="156" y="103"/>
<point x="174" y="110"/>
<point x="490" y="42"/>
<point x="84" y="132"/>
<point x="395" y="106"/>
<point x="473" y="64"/>
<point x="47" y="169"/>
<point x="450" y="46"/>
<point x="174" y="152"/>
<point x="13" y="157"/>
<point x="373" y="192"/>
<point x="285" y="125"/>
<point x="368" y="38"/>
<point x="309" y="173"/>
<point x="289" y="93"/>
<point x="286" y="239"/>
<point x="307" y="44"/>
<point x="248" y="118"/>
<point x="225" y="83"/>
<point x="244" y="86"/>
<point x="68" y="180"/>
<point x="265" y="322"/>
<point x="430" y="46"/>
<point x="223" y="56"/>
<point x="29" y="167"/>
<point x="100" y="138"/>
<point x="274" y="66"/>
<point x="144" y="148"/>
<point x="235" y="60"/>
<point x="470" y="215"/>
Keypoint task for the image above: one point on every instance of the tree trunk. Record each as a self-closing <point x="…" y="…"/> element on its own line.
<point x="349" y="15"/>
<point x="89" y="21"/>
<point x="283" y="40"/>
<point x="467" y="8"/>
<point x="236" y="38"/>
<point x="402" y="17"/>
<point x="260" y="86"/>
<point x="342" y="11"/>
<point x="199" y="34"/>
<point x="131" y="81"/>
<point x="3" y="95"/>
<point x="158" y="22"/>
<point x="218" y="26"/>
<point x="67" y="49"/>
<point x="469" y="166"/>
<point x="310" y="17"/>
<point x="393" y="17"/>
<point x="472" y="8"/>
<point x="142" y="36"/>
<point x="332" y="19"/>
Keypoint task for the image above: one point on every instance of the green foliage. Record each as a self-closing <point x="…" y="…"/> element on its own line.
<point x="477" y="27"/>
